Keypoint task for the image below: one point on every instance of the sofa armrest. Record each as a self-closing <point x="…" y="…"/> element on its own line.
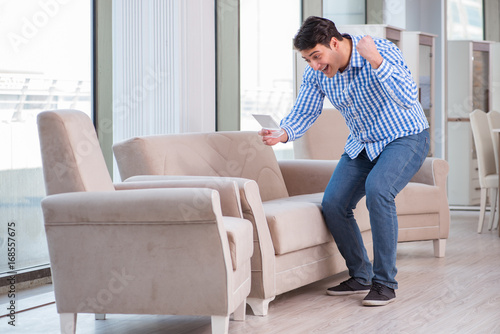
<point x="303" y="176"/>
<point x="263" y="259"/>
<point x="228" y="189"/>
<point x="135" y="157"/>
<point x="434" y="172"/>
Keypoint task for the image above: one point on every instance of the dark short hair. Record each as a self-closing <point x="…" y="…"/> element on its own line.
<point x="315" y="30"/>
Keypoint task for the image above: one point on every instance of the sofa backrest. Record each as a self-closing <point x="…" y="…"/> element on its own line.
<point x="71" y="156"/>
<point x="325" y="139"/>
<point x="227" y="154"/>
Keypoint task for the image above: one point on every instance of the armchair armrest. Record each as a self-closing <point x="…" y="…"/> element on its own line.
<point x="304" y="176"/>
<point x="228" y="189"/>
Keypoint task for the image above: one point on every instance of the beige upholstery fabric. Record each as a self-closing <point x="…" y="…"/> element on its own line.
<point x="135" y="253"/>
<point x="295" y="225"/>
<point x="240" y="241"/>
<point x="228" y="190"/>
<point x="323" y="145"/>
<point x="292" y="246"/>
<point x="76" y="161"/>
<point x="143" y="249"/>
<point x="422" y="206"/>
<point x="231" y="154"/>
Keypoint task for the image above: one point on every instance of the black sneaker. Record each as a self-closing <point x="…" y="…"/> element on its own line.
<point x="379" y="295"/>
<point x="349" y="287"/>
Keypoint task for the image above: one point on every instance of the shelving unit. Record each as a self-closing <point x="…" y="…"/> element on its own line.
<point x="469" y="87"/>
<point x="391" y="33"/>
<point x="418" y="50"/>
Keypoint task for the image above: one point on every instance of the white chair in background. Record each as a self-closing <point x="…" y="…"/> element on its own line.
<point x="488" y="176"/>
<point x="494" y="123"/>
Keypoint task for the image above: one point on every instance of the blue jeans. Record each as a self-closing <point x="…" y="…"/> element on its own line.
<point x="380" y="180"/>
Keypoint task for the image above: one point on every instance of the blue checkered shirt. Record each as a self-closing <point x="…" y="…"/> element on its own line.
<point x="378" y="106"/>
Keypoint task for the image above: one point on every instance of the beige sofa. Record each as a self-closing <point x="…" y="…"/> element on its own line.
<point x="132" y="249"/>
<point x="292" y="246"/>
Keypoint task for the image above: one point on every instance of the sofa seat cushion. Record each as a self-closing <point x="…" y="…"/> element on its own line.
<point x="295" y="224"/>
<point x="418" y="198"/>
<point x="240" y="237"/>
<point x="360" y="212"/>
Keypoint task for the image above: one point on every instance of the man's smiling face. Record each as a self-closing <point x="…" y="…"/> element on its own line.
<point x="324" y="59"/>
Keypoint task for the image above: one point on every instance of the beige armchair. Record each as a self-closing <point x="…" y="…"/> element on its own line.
<point x="292" y="246"/>
<point x="143" y="249"/>
<point x="422" y="206"/>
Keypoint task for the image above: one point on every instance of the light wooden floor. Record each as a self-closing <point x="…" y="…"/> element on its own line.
<point x="456" y="294"/>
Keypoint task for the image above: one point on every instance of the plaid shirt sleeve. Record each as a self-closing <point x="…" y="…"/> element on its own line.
<point x="307" y="107"/>
<point x="395" y="76"/>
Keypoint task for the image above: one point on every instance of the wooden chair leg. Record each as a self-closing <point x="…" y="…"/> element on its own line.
<point x="68" y="323"/>
<point x="482" y="209"/>
<point x="220" y="324"/>
<point x="497" y="215"/>
<point x="493" y="206"/>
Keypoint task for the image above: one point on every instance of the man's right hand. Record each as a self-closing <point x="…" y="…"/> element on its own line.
<point x="268" y="139"/>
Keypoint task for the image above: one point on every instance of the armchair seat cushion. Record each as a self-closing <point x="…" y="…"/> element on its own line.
<point x="240" y="237"/>
<point x="418" y="198"/>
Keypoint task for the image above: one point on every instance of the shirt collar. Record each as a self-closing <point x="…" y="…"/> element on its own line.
<point x="356" y="59"/>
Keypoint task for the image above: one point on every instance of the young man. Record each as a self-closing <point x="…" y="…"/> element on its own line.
<point x="368" y="82"/>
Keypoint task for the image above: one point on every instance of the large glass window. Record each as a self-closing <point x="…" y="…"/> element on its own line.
<point x="465" y="19"/>
<point x="267" y="28"/>
<point x="345" y="12"/>
<point x="45" y="63"/>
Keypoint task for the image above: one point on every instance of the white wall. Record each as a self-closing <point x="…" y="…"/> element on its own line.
<point x="430" y="16"/>
<point x="163" y="67"/>
<point x="197" y="65"/>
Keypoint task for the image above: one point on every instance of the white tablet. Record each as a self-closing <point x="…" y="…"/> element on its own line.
<point x="266" y="121"/>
